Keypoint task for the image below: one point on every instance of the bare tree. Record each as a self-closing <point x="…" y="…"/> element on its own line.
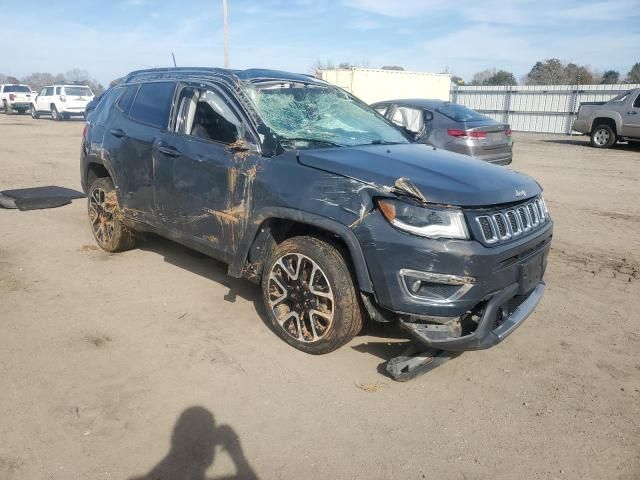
<point x="480" y="77"/>
<point x="38" y="80"/>
<point x="76" y="75"/>
<point x="8" y="79"/>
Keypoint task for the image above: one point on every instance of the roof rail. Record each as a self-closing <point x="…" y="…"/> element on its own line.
<point x="169" y="70"/>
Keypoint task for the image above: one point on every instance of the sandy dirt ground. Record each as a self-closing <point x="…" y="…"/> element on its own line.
<point x="112" y="366"/>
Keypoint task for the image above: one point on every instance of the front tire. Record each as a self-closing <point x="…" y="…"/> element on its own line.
<point x="103" y="208"/>
<point x="310" y="296"/>
<point x="34" y="113"/>
<point x="603" y="136"/>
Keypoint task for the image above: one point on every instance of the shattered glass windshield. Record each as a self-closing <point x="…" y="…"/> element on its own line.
<point x="317" y="116"/>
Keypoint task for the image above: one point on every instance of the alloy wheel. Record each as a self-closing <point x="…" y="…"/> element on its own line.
<point x="101" y="216"/>
<point x="601" y="137"/>
<point x="301" y="297"/>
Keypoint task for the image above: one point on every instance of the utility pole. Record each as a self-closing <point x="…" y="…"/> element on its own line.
<point x="226" y="34"/>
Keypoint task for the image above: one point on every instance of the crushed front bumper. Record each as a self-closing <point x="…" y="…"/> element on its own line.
<point x="494" y="325"/>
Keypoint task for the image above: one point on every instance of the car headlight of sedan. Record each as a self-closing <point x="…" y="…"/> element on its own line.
<point x="430" y="222"/>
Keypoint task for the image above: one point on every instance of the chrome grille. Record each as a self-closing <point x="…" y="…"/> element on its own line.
<point x="501" y="225"/>
<point x="487" y="229"/>
<point x="533" y="214"/>
<point x="506" y="224"/>
<point x="524" y="219"/>
<point x="513" y="223"/>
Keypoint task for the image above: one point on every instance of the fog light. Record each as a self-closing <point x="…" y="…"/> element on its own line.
<point x="435" y="287"/>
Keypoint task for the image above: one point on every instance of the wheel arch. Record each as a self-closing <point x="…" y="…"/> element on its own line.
<point x="600" y="120"/>
<point x="275" y="224"/>
<point x="92" y="172"/>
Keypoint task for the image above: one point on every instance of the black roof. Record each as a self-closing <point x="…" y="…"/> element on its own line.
<point x="232" y="76"/>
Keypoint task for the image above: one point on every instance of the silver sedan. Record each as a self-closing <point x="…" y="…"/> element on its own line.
<point x="451" y="127"/>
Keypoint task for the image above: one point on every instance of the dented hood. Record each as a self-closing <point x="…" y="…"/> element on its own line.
<point x="441" y="176"/>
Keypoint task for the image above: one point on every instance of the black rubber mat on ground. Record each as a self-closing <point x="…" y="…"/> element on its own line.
<point x="38" y="197"/>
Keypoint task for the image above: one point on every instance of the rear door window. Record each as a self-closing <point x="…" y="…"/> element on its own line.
<point x="153" y="104"/>
<point x="636" y="104"/>
<point x="409" y="118"/>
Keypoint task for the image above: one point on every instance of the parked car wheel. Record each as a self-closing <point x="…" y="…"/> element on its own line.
<point x="34" y="113"/>
<point x="110" y="233"/>
<point x="603" y="136"/>
<point x="7" y="108"/>
<point x="55" y="115"/>
<point x="309" y="295"/>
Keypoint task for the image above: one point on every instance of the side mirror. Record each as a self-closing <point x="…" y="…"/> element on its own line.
<point x="428" y="116"/>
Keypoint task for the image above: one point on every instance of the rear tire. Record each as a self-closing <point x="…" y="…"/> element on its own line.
<point x="603" y="136"/>
<point x="310" y="295"/>
<point x="102" y="204"/>
<point x="7" y="108"/>
<point x="55" y="115"/>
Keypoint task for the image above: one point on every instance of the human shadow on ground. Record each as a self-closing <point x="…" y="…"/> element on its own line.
<point x="193" y="450"/>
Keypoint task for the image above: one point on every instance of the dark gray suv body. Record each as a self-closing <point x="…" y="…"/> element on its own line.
<point x="302" y="188"/>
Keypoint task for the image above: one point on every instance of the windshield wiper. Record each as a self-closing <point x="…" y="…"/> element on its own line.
<point x="383" y="142"/>
<point x="311" y="140"/>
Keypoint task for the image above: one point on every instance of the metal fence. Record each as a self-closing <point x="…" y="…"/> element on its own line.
<point x="535" y="108"/>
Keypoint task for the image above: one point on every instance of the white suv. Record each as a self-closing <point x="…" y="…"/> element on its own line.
<point x="61" y="101"/>
<point x="15" y="98"/>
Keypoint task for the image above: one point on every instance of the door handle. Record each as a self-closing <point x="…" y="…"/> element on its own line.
<point x="169" y="151"/>
<point x="632" y="112"/>
<point x="117" y="132"/>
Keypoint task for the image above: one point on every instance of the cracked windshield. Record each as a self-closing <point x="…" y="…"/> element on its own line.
<point x="304" y="116"/>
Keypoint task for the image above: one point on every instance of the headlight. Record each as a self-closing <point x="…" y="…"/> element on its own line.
<point x="543" y="205"/>
<point x="429" y="222"/>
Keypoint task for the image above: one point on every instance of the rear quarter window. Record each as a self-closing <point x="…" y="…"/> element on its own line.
<point x="153" y="103"/>
<point x="101" y="112"/>
<point x="127" y="97"/>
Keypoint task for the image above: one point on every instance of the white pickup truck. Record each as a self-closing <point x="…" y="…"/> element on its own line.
<point x="61" y="101"/>
<point x="15" y="98"/>
<point x="608" y="122"/>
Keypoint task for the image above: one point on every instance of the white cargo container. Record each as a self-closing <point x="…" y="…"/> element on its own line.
<point x="373" y="85"/>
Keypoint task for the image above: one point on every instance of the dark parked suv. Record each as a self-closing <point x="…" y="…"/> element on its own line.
<point x="302" y="188"/>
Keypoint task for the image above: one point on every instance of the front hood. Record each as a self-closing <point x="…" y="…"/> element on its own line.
<point x="441" y="176"/>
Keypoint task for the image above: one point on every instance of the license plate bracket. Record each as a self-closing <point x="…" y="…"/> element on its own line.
<point x="531" y="273"/>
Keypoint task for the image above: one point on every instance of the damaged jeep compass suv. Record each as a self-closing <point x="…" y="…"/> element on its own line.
<point x="305" y="190"/>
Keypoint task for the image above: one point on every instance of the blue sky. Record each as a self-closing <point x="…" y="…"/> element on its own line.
<point x="110" y="38"/>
